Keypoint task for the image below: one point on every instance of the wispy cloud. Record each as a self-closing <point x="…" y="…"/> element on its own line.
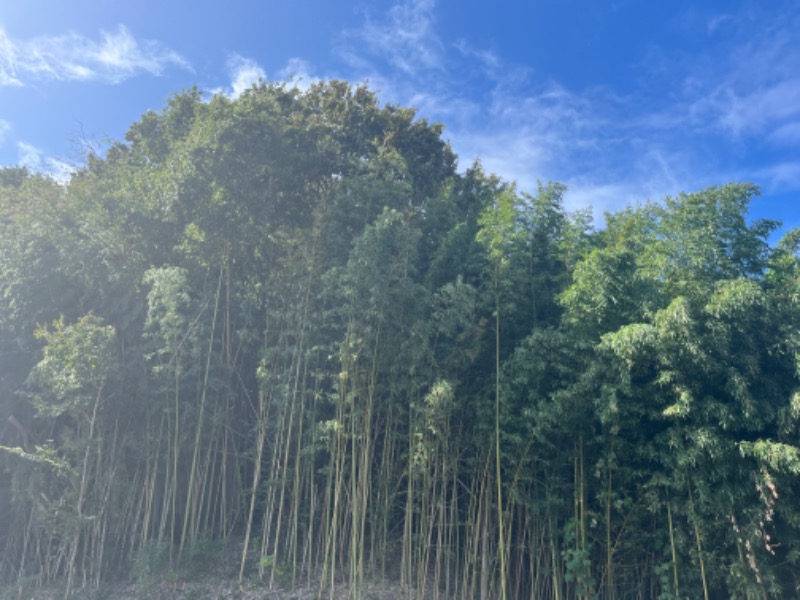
<point x="733" y="111"/>
<point x="33" y="158"/>
<point x="405" y="38"/>
<point x="519" y="126"/>
<point x="746" y="85"/>
<point x="114" y="57"/>
<point x="526" y="131"/>
<point x="244" y="73"/>
<point x="745" y="103"/>
<point x="788" y="134"/>
<point x="781" y="175"/>
<point x="298" y="73"/>
<point x="29" y="155"/>
<point x="716" y="22"/>
<point x="531" y="133"/>
<point x="686" y="124"/>
<point x="7" y="69"/>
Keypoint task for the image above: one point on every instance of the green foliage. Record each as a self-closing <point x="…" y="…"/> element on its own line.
<point x="289" y="315"/>
<point x="150" y="563"/>
<point x="203" y="556"/>
<point x="77" y="360"/>
<point x="500" y="227"/>
<point x="170" y="328"/>
<point x="778" y="456"/>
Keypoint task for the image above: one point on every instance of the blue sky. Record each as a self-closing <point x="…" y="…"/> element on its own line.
<point x="623" y="101"/>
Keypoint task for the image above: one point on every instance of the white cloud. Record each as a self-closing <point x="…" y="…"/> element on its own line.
<point x="647" y="144"/>
<point x="530" y="132"/>
<point x="29" y="156"/>
<point x="73" y="57"/>
<point x="244" y="73"/>
<point x="511" y="155"/>
<point x="59" y="170"/>
<point x="405" y="38"/>
<point x="746" y="113"/>
<point x="749" y="86"/>
<point x="600" y="197"/>
<point x="297" y="73"/>
<point x="8" y="75"/>
<point x="33" y="158"/>
<point x="686" y="122"/>
<point x="487" y="60"/>
<point x="520" y="128"/>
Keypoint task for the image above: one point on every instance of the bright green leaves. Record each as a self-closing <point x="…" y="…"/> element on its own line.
<point x="632" y="343"/>
<point x="380" y="298"/>
<point x="77" y="360"/>
<point x="531" y="243"/>
<point x="500" y="229"/>
<point x="169" y="323"/>
<point x="430" y="422"/>
<point x="736" y="300"/>
<point x="382" y="262"/>
<point x="693" y="371"/>
<point x="656" y="253"/>
<point x="616" y="283"/>
<point x="778" y="456"/>
<point x="706" y="237"/>
<point x="603" y="293"/>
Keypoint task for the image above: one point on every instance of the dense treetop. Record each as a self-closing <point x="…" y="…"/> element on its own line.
<point x="288" y="322"/>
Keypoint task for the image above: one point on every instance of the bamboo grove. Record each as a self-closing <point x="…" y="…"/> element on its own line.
<point x="286" y="324"/>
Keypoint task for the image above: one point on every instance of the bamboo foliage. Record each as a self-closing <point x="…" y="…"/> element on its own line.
<point x="285" y="327"/>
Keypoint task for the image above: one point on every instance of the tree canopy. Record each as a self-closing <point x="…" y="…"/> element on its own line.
<point x="287" y="323"/>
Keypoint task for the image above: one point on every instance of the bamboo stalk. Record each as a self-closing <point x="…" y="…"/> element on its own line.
<point x="261" y="427"/>
<point x="673" y="549"/>
<point x="201" y="413"/>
